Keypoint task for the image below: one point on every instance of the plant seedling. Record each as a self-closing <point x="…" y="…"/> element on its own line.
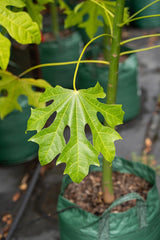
<point x="76" y="108"/>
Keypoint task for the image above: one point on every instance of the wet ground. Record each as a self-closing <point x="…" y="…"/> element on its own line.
<point x="39" y="220"/>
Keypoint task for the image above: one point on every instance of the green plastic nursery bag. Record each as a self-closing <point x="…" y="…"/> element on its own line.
<point x="63" y="50"/>
<point x="14" y="145"/>
<point x="138" y="223"/>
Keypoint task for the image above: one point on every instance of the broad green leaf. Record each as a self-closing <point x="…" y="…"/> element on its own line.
<point x="13" y="87"/>
<point x="76" y="17"/>
<point x="18" y="24"/>
<point x="34" y="9"/>
<point x="4" y="51"/>
<point x="75" y="109"/>
<point x="91" y="16"/>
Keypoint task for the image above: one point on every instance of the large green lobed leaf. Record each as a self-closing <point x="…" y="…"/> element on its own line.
<point x="19" y="25"/>
<point x="91" y="16"/>
<point x="4" y="51"/>
<point x="11" y="87"/>
<point x="75" y="109"/>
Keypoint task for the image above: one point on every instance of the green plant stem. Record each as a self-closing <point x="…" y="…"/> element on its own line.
<point x="54" y="19"/>
<point x="107" y="184"/>
<point x="106" y="44"/>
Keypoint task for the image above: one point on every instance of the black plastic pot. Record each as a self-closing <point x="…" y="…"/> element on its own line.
<point x="66" y="49"/>
<point x="140" y="222"/>
<point x="14" y="145"/>
<point x="128" y="93"/>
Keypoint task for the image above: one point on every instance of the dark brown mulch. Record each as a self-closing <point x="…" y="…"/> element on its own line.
<point x="88" y="194"/>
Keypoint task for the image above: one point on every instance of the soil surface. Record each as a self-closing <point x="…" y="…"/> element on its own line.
<point x="90" y="198"/>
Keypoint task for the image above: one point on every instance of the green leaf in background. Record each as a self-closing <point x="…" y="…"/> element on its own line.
<point x="90" y="16"/>
<point x="11" y="87"/>
<point x="18" y="24"/>
<point x="34" y="9"/>
<point x="4" y="51"/>
<point x="75" y="109"/>
<point x="76" y="17"/>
